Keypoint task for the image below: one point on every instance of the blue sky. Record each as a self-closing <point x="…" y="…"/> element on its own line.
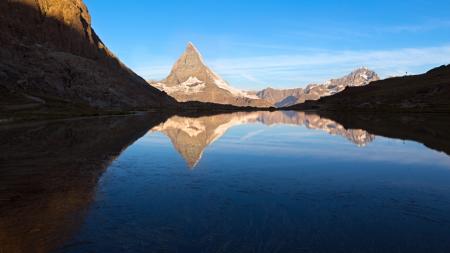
<point x="255" y="44"/>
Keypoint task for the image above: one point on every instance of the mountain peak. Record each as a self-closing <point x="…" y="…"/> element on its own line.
<point x="192" y="80"/>
<point x="362" y="69"/>
<point x="363" y="76"/>
<point x="191" y="58"/>
<point x="191" y="45"/>
<point x="192" y="48"/>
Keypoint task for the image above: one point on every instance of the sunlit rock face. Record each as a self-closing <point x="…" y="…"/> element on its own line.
<point x="191" y="136"/>
<point x="192" y="80"/>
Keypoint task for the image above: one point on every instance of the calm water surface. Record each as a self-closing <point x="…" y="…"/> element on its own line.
<point x="262" y="182"/>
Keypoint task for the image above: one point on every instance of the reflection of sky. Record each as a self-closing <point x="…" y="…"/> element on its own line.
<point x="297" y="143"/>
<point x="272" y="184"/>
<point x="288" y="141"/>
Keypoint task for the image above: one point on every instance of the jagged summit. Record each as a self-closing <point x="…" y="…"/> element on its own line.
<point x="189" y="65"/>
<point x="359" y="77"/>
<point x="192" y="80"/>
<point x="191" y="46"/>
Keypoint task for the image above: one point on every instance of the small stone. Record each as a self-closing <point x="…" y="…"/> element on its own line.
<point x="21" y="81"/>
<point x="3" y="75"/>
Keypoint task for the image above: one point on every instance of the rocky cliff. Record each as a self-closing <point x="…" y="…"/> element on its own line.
<point x="192" y="80"/>
<point x="49" y="52"/>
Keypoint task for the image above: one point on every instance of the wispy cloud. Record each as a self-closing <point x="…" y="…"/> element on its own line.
<point x="414" y="28"/>
<point x="316" y="66"/>
<point x="251" y="134"/>
<point x="376" y="58"/>
<point x="320" y="66"/>
<point x="251" y="78"/>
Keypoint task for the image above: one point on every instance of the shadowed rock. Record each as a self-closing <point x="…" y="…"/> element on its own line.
<point x="50" y="55"/>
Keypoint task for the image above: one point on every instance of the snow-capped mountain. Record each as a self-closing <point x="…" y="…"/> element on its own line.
<point x="288" y="97"/>
<point x="192" y="80"/>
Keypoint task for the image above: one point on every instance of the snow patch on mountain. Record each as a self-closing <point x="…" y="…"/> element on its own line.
<point x="235" y="92"/>
<point x="190" y="86"/>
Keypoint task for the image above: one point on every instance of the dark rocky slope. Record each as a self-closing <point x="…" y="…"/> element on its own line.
<point x="50" y="57"/>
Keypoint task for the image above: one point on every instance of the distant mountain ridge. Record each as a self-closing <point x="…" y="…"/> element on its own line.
<point x="192" y="80"/>
<point x="428" y="92"/>
<point x="287" y="97"/>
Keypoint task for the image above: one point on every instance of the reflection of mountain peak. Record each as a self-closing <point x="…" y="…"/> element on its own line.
<point x="190" y="136"/>
<point x="360" y="137"/>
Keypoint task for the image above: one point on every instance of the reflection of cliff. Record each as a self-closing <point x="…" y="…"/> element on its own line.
<point x="357" y="136"/>
<point x="48" y="174"/>
<point x="433" y="130"/>
<point x="190" y="136"/>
